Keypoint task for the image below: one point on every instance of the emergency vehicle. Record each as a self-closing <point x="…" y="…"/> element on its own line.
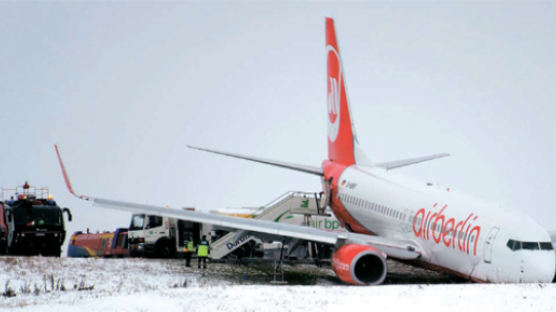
<point x="31" y="223"/>
<point x="107" y="244"/>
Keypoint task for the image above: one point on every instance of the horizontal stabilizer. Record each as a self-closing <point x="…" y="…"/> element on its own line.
<point x="302" y="168"/>
<point x="410" y="161"/>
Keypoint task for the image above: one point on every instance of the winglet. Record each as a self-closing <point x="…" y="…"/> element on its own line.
<point x="66" y="178"/>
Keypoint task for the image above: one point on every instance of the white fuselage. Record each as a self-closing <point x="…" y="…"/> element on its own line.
<point x="456" y="232"/>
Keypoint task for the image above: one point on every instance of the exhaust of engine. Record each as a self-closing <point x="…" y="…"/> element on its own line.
<point x="370" y="269"/>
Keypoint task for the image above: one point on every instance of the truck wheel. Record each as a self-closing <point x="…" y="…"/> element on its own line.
<point x="164" y="250"/>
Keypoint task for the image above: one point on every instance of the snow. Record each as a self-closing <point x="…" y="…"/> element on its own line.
<point x="165" y="285"/>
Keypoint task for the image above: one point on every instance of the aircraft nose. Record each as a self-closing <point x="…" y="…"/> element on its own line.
<point x="539" y="267"/>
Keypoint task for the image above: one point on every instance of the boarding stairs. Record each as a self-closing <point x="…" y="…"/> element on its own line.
<point x="281" y="209"/>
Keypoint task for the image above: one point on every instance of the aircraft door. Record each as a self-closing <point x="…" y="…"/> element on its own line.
<point x="489" y="243"/>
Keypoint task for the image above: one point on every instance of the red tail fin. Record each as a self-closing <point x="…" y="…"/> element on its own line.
<point x="340" y="134"/>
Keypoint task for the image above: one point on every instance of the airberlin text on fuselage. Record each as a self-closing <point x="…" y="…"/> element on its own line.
<point x="452" y="233"/>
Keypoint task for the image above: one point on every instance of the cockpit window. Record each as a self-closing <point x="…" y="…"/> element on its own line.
<point x="513" y="245"/>
<point x="530" y="245"/>
<point x="517" y="245"/>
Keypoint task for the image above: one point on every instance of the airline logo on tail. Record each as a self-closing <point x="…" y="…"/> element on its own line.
<point x="340" y="134"/>
<point x="334" y="92"/>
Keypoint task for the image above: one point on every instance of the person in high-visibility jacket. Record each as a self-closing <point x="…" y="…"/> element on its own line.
<point x="188" y="248"/>
<point x="203" y="250"/>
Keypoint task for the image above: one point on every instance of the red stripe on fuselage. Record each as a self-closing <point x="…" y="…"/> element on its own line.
<point x="334" y="170"/>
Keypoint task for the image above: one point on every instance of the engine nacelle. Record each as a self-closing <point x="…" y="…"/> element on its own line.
<point x="359" y="264"/>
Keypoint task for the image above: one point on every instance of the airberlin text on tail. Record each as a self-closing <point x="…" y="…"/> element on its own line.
<point x="340" y="134"/>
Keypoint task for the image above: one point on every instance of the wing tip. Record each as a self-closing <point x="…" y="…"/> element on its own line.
<point x="65" y="175"/>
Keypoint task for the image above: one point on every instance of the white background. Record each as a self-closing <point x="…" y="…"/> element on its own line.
<point x="123" y="87"/>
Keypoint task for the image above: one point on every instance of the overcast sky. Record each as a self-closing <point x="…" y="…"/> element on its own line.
<point x="123" y="87"/>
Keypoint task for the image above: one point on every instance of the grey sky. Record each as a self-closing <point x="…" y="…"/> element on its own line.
<point x="122" y="87"/>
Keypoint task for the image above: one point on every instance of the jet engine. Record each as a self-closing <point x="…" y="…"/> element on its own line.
<point x="359" y="264"/>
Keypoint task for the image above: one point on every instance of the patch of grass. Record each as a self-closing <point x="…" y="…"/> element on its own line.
<point x="8" y="291"/>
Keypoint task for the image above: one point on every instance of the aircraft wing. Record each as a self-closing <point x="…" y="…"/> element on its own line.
<point x="397" y="249"/>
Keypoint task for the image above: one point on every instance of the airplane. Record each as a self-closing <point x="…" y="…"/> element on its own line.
<point x="388" y="215"/>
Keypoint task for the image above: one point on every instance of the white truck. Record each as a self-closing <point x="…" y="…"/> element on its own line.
<point x="160" y="237"/>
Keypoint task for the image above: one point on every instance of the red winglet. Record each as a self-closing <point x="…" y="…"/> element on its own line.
<point x="66" y="178"/>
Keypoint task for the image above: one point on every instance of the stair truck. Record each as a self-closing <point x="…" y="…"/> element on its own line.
<point x="299" y="208"/>
<point x="31" y="222"/>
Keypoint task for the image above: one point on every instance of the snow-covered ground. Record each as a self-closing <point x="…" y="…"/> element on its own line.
<point x="66" y="284"/>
